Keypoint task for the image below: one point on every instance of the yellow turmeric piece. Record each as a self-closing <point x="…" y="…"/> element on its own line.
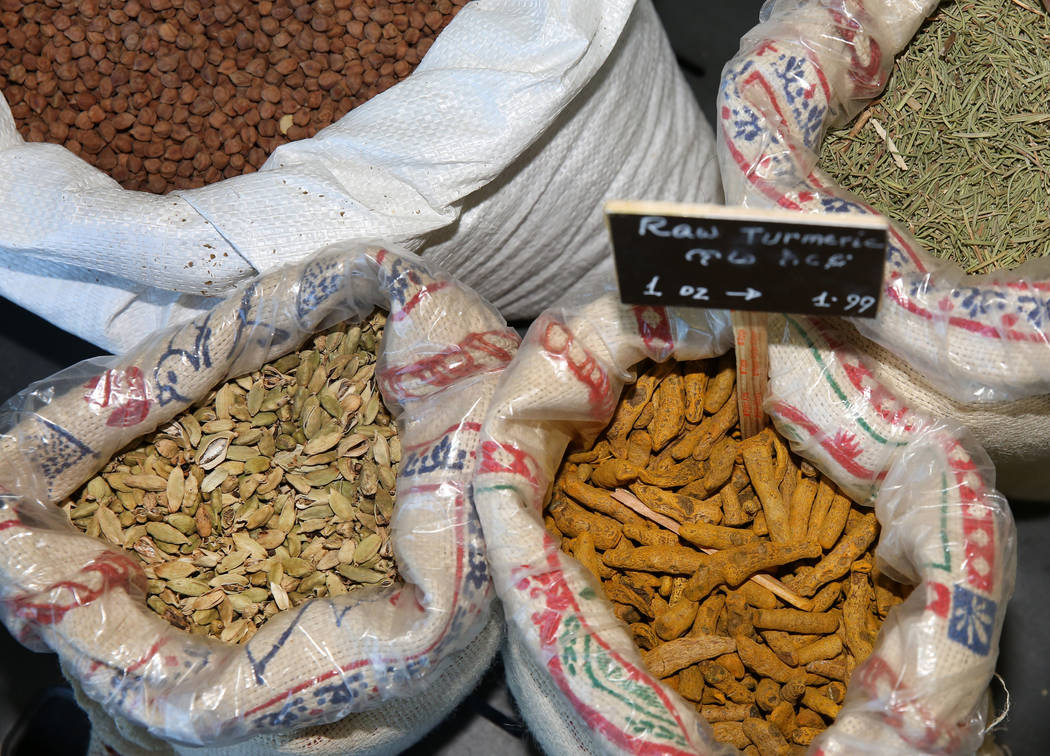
<point x="764" y="662"/>
<point x="674" y="560"/>
<point x="687" y="443"/>
<point x="783" y="716"/>
<point x="630" y="595"/>
<point x="789" y="481"/>
<point x="805" y="735"/>
<point x="720" y="386"/>
<point x="584" y="552"/>
<point x="661" y="462"/>
<point x="672" y="476"/>
<point x="729" y="712"/>
<point x="759" y="463"/>
<point x="644" y="636"/>
<point x="710" y="536"/>
<point x="731" y="733"/>
<point x="677" y="654"/>
<point x="732" y="662"/>
<point x="572" y="520"/>
<point x="826" y="597"/>
<point x="600" y="501"/>
<point x="741" y="483"/>
<point x="766" y="737"/>
<point x="793" y="689"/>
<point x="716" y="426"/>
<point x="678" y="619"/>
<point x="819" y="510"/>
<point x="706" y="622"/>
<point x="691" y="684"/>
<point x="759" y="524"/>
<point x="733" y="513"/>
<point x="738" y="615"/>
<point x="757" y="596"/>
<point x="666" y="583"/>
<point x="837" y="563"/>
<point x="635" y="399"/>
<point x="698" y="490"/>
<point x="645" y="417"/>
<point x="694" y="378"/>
<point x="767" y="694"/>
<point x="780" y="453"/>
<point x="799" y="509"/>
<point x="586" y="456"/>
<point x="639" y="448"/>
<point x="827" y="647"/>
<point x="888" y="593"/>
<point x="613" y="473"/>
<point x="718" y="677"/>
<point x="833" y="669"/>
<point x="836" y="691"/>
<point x="677" y="506"/>
<point x="668" y="410"/>
<point x="855" y="611"/>
<point x="810" y="719"/>
<point x="677" y="588"/>
<point x="734" y="566"/>
<point x="648" y="535"/>
<point x="720" y="463"/>
<point x="795" y="621"/>
<point x="823" y="705"/>
<point x="834" y="522"/>
<point x="785" y="644"/>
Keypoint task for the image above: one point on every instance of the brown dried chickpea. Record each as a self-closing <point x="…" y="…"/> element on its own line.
<point x="175" y="94"/>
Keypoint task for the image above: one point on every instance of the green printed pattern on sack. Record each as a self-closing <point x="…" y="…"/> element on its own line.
<point x="829" y="378"/>
<point x="582" y="653"/>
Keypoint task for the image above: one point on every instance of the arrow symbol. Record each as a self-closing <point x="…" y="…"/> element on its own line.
<point x="747" y="295"/>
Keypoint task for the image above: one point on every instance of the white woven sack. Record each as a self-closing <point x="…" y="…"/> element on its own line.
<point x="388" y="652"/>
<point x="579" y="677"/>
<point x="388" y="729"/>
<point x="496" y="155"/>
<point x="979" y="346"/>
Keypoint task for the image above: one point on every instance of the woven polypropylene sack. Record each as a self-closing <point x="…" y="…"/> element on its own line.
<point x="385" y="650"/>
<point x="389" y="728"/>
<point x="944" y="529"/>
<point x="496" y="155"/>
<point x="975" y="348"/>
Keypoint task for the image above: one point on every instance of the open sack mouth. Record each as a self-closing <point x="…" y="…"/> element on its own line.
<point x="276" y="487"/>
<point x="166" y="96"/>
<point x="955" y="148"/>
<point x="675" y="586"/>
<point x="746" y="577"/>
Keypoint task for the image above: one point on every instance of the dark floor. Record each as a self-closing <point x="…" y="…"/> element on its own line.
<point x="487" y="722"/>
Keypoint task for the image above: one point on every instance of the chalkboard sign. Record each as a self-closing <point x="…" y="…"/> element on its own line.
<point x="742" y="259"/>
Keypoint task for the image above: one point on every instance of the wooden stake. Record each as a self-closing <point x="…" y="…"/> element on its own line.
<point x="752" y="369"/>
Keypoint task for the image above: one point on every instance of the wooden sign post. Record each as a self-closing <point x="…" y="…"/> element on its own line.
<point x="752" y="369"/>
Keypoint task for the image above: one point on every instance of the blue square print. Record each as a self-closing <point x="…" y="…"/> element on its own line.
<point x="971" y="620"/>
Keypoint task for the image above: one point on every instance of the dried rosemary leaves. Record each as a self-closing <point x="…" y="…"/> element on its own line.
<point x="746" y="577"/>
<point x="277" y="487"/>
<point x="968" y="108"/>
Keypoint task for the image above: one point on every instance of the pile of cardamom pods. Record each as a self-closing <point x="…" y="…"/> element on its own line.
<point x="277" y="487"/>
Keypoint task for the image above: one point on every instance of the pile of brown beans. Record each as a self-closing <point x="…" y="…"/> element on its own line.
<point x="175" y="94"/>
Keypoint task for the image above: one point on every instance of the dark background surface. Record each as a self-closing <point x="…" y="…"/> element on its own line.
<point x="704" y="35"/>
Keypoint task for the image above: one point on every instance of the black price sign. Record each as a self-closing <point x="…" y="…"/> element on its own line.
<point x="742" y="259"/>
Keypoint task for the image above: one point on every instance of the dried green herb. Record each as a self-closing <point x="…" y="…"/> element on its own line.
<point x="967" y="107"/>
